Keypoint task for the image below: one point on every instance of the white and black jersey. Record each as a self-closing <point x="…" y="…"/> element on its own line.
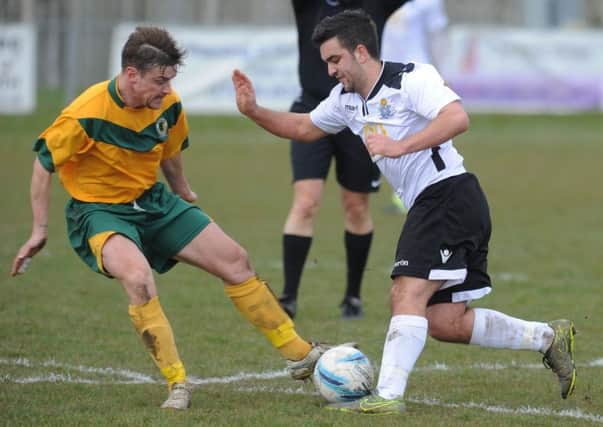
<point x="405" y="98"/>
<point x="446" y="233"/>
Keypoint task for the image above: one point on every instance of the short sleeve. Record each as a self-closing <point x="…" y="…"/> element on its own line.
<point x="58" y="143"/>
<point x="328" y="115"/>
<point x="178" y="132"/>
<point x="427" y="93"/>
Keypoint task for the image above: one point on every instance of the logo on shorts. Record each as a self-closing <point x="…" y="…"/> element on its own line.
<point x="161" y="126"/>
<point x="137" y="208"/>
<point x="445" y="254"/>
<point x="401" y="263"/>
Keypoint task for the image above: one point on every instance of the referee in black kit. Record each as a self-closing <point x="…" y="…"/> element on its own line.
<point x="356" y="173"/>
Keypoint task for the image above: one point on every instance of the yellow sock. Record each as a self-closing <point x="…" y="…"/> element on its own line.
<point x="154" y="328"/>
<point x="256" y="302"/>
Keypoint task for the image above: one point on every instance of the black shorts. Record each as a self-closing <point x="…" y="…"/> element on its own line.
<point x="353" y="166"/>
<point x="445" y="237"/>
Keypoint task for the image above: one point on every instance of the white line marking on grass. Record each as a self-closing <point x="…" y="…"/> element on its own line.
<point x="276" y="390"/>
<point x="527" y="410"/>
<point x="131" y="376"/>
<point x="524" y="410"/>
<point x="134" y="376"/>
<point x="52" y="378"/>
<point x="243" y="376"/>
<point x="139" y="378"/>
<point x="594" y="363"/>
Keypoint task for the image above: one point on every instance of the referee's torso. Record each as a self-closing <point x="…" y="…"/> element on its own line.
<point x="314" y="79"/>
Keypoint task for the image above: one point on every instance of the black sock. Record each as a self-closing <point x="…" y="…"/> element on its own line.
<point x="295" y="252"/>
<point x="357" y="247"/>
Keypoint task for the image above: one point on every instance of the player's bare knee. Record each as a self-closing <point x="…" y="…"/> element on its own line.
<point x="136" y="277"/>
<point x="357" y="215"/>
<point x="240" y="267"/>
<point x="305" y="208"/>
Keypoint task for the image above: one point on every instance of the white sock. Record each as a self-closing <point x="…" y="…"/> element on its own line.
<point x="497" y="330"/>
<point x="404" y="343"/>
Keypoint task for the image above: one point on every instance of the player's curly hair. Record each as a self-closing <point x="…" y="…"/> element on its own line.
<point x="148" y="47"/>
<point x="351" y="27"/>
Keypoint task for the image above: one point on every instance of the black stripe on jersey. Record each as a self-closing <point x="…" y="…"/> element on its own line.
<point x="392" y="76"/>
<point x="437" y="159"/>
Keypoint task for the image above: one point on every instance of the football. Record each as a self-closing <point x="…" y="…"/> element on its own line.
<point x="342" y="374"/>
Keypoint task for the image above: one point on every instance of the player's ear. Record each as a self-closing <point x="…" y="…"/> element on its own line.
<point x="132" y="73"/>
<point x="361" y="53"/>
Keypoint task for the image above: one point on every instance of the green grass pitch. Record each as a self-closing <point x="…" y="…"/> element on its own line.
<point x="69" y="355"/>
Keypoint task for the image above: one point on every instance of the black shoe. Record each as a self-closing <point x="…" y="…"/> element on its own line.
<point x="289" y="305"/>
<point x="351" y="308"/>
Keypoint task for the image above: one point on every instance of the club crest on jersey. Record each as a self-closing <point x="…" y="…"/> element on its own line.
<point x="161" y="126"/>
<point x="385" y="110"/>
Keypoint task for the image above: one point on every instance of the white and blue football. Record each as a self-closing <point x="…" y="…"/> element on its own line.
<point x="342" y="374"/>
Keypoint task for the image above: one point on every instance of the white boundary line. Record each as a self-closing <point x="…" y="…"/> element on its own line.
<point x="125" y="376"/>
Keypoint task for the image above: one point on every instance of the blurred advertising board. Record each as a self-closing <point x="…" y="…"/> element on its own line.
<point x="520" y="70"/>
<point x="492" y="69"/>
<point x="267" y="55"/>
<point x="17" y="69"/>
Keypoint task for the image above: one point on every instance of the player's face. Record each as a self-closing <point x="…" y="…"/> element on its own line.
<point x="341" y="63"/>
<point x="154" y="85"/>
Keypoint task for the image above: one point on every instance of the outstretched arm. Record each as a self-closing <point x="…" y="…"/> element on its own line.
<point x="41" y="180"/>
<point x="295" y="126"/>
<point x="173" y="171"/>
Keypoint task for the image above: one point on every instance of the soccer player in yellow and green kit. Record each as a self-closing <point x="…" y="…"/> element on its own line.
<point x="107" y="147"/>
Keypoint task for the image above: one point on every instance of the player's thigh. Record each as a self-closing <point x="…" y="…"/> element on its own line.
<point x="311" y="160"/>
<point x="217" y="253"/>
<point x="409" y="295"/>
<point x="90" y="225"/>
<point x="173" y="226"/>
<point x="353" y="165"/>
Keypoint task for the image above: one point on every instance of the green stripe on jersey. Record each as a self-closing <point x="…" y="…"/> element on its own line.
<point x="143" y="141"/>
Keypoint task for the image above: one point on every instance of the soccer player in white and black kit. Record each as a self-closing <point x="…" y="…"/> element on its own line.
<point x="357" y="176"/>
<point x="407" y="118"/>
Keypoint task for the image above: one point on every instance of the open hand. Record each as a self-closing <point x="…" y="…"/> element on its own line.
<point x="27" y="251"/>
<point x="245" y="93"/>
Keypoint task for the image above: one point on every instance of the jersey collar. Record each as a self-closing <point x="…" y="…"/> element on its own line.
<point x="114" y="92"/>
<point x="391" y="73"/>
<point x="378" y="83"/>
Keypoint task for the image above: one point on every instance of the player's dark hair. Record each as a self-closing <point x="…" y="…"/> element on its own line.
<point x="351" y="27"/>
<point x="148" y="47"/>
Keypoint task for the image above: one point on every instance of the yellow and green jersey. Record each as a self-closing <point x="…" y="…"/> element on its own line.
<point x="106" y="152"/>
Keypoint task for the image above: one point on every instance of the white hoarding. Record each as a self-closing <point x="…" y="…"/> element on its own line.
<point x="492" y="69"/>
<point x="267" y="55"/>
<point x="17" y="69"/>
<point x="521" y="70"/>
